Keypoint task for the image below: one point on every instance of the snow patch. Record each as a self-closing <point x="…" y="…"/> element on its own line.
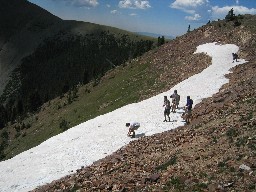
<point x="101" y="136"/>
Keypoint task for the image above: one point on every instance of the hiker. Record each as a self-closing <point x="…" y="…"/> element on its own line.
<point x="235" y="57"/>
<point x="132" y="127"/>
<point x="188" y="110"/>
<point x="175" y="100"/>
<point x="167" y="109"/>
<point x="174" y="105"/>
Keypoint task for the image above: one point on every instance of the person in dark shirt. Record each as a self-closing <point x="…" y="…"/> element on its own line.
<point x="189" y="103"/>
<point x="167" y="108"/>
<point x="188" y="110"/>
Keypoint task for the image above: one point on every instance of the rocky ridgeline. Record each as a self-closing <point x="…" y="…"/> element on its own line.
<point x="216" y="152"/>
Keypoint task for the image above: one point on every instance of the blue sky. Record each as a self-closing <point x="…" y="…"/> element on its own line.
<point x="166" y="17"/>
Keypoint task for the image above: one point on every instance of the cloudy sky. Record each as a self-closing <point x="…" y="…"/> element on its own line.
<point x="166" y="17"/>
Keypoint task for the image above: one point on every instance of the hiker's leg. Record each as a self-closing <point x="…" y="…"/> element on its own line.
<point x="133" y="134"/>
<point x="185" y="117"/>
<point x="189" y="115"/>
<point x="129" y="132"/>
<point x="165" y="115"/>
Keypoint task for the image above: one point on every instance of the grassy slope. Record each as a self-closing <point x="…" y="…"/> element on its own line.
<point x="105" y="97"/>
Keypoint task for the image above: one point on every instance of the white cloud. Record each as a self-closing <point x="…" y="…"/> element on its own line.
<point x="195" y="17"/>
<point x="188" y="6"/>
<point x="113" y="12"/>
<point x="108" y="5"/>
<point x="81" y="3"/>
<point x="134" y="4"/>
<point x="198" y="9"/>
<point x="188" y="3"/>
<point x="125" y="4"/>
<point x="221" y="12"/>
<point x="133" y="14"/>
<point x="86" y="3"/>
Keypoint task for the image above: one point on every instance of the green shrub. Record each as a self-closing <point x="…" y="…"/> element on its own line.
<point x="164" y="166"/>
<point x="5" y="135"/>
<point x="64" y="125"/>
<point x="176" y="183"/>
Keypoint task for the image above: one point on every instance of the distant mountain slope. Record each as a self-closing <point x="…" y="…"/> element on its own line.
<point x="19" y="14"/>
<point x="155" y="35"/>
<point x="42" y="56"/>
<point x="23" y="27"/>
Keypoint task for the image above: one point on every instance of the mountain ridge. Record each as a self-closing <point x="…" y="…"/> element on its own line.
<point x="17" y="29"/>
<point x="22" y="35"/>
<point x="42" y="50"/>
<point x="156" y="35"/>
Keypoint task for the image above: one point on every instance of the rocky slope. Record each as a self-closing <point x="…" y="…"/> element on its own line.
<point x="216" y="152"/>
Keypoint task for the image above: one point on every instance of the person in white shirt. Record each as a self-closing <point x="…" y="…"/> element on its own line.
<point x="132" y="127"/>
<point x="175" y="101"/>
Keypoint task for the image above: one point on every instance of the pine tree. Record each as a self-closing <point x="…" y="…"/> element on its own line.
<point x="162" y="40"/>
<point x="158" y="41"/>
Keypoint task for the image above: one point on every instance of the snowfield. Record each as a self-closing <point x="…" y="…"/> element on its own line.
<point x="101" y="136"/>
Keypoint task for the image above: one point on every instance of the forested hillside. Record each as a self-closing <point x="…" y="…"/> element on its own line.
<point x="23" y="27"/>
<point x="62" y="62"/>
<point x="53" y="56"/>
<point x="17" y="15"/>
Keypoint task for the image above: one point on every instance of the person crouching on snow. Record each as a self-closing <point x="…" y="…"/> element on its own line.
<point x="132" y="127"/>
